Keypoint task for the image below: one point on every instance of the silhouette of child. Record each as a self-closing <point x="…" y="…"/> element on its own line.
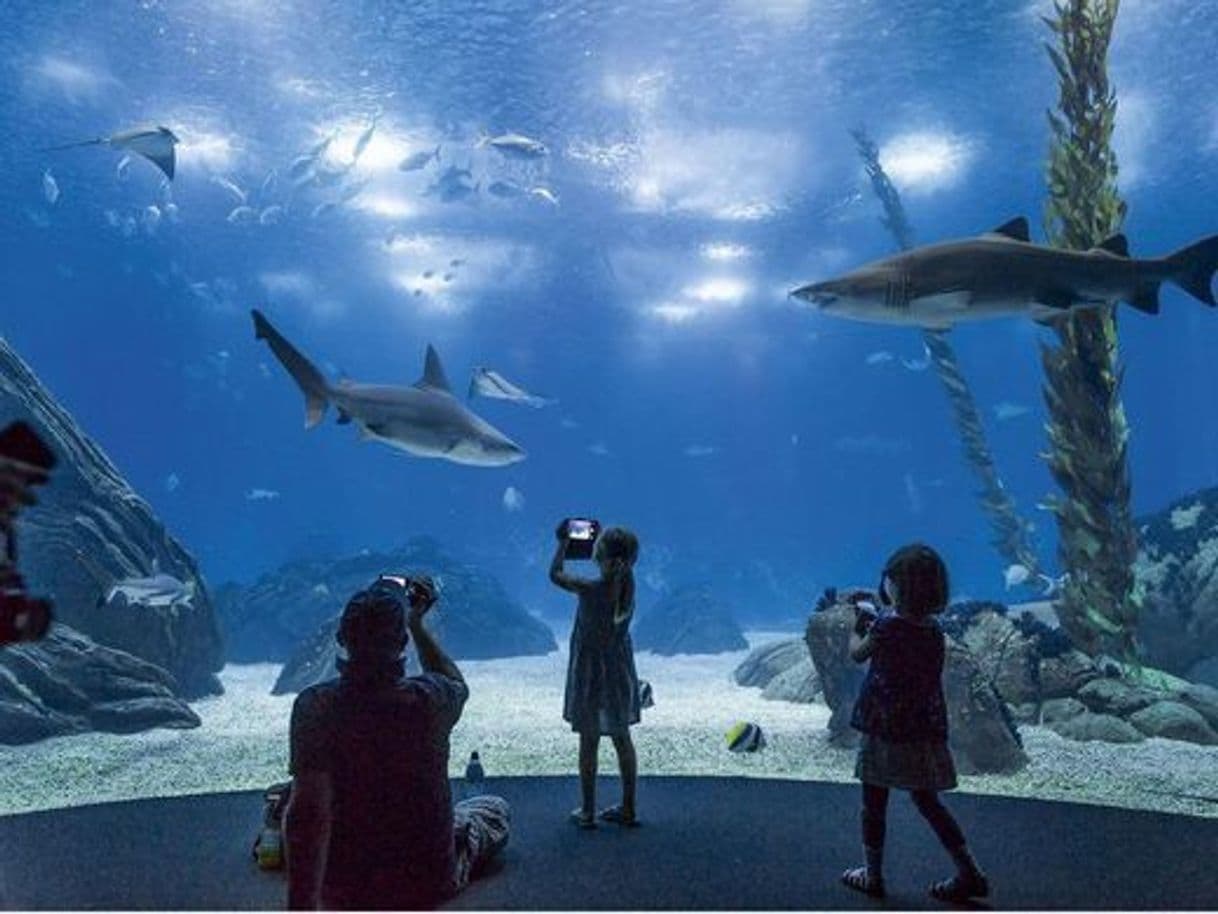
<point x="602" y="692"/>
<point x="903" y="717"/>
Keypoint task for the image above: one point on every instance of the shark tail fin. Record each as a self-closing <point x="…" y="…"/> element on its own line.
<point x="1193" y="268"/>
<point x="311" y="381"/>
<point x="97" y="141"/>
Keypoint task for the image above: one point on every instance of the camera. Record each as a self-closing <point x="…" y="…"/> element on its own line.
<point x="25" y="461"/>
<point x="581" y="536"/>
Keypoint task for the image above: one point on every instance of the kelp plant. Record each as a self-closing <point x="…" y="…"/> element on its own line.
<point x="1087" y="428"/>
<point x="1010" y="532"/>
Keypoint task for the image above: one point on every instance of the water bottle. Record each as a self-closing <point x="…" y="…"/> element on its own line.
<point x="270" y="849"/>
<point x="474" y="776"/>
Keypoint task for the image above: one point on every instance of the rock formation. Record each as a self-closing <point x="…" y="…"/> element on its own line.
<point x="66" y="683"/>
<point x="292" y="614"/>
<point x="89" y="510"/>
<point x="690" y="620"/>
<point x="783" y="670"/>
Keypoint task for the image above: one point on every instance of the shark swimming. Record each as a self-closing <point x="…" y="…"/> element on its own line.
<point x="1003" y="273"/>
<point x="156" y="589"/>
<point x="425" y="420"/>
<point x="156" y="144"/>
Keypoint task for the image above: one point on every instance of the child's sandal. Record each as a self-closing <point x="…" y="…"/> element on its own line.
<point x="960" y="889"/>
<point x="860" y="881"/>
<point x="617" y="815"/>
<point x="582" y="819"/>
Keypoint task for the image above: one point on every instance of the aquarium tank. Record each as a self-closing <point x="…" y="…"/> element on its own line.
<point x="300" y="293"/>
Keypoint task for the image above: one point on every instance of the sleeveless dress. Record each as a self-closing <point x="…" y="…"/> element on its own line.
<point x="602" y="692"/>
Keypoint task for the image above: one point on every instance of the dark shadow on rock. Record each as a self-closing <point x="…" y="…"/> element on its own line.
<point x="690" y="620"/>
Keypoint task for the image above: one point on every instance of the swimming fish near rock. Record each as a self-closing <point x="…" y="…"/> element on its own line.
<point x="417" y="161"/>
<point x="494" y="386"/>
<point x="156" y="144"/>
<point x="271" y="215"/>
<point x="745" y="737"/>
<point x="544" y="193"/>
<point x="1003" y="273"/>
<point x="231" y="188"/>
<point x="50" y="189"/>
<point x="646" y="694"/>
<point x="514" y="145"/>
<point x="241" y="214"/>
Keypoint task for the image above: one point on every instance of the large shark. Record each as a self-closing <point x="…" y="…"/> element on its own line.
<point x="153" y="143"/>
<point x="1002" y="273"/>
<point x="425" y="420"/>
<point x="156" y="589"/>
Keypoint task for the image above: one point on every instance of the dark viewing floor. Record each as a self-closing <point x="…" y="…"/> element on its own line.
<point x="708" y="843"/>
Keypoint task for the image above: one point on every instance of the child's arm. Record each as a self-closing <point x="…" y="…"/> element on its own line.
<point x="560" y="577"/>
<point x="861" y="646"/>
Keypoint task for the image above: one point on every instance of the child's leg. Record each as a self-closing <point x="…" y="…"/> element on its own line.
<point x="628" y="764"/>
<point x="870" y="878"/>
<point x="970" y="881"/>
<point x="589" y="745"/>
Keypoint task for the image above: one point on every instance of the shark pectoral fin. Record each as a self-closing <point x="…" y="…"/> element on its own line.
<point x="1059" y="299"/>
<point x="1016" y="229"/>
<point x="1146" y="299"/>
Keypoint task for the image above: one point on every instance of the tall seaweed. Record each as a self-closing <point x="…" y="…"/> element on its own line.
<point x="1087" y="428"/>
<point x="1010" y="532"/>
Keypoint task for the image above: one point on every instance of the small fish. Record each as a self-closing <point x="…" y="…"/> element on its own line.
<point x="351" y="191"/>
<point x="120" y="170"/>
<point x="1016" y="575"/>
<point x="112" y="219"/>
<point x="514" y="145"/>
<point x="172" y="482"/>
<point x="544" y="193"/>
<point x="918" y="364"/>
<point x="745" y="737"/>
<point x="271" y="215"/>
<point x="242" y="214"/>
<point x="447" y="277"/>
<point x="913" y="496"/>
<point x="322" y="208"/>
<point x="269" y="183"/>
<point x="418" y="160"/>
<point x="50" y="189"/>
<point x="151" y="218"/>
<point x="319" y="149"/>
<point x="599" y="449"/>
<point x="301" y="166"/>
<point x="1004" y="411"/>
<point x="362" y="141"/>
<point x="513" y="499"/>
<point x="646" y="694"/>
<point x="456" y="262"/>
<point x="418" y="292"/>
<point x="699" y="450"/>
<point x="428" y="274"/>
<point x="492" y="384"/>
<point x="505" y="190"/>
<point x="171" y="211"/>
<point x="228" y="185"/>
<point x="879" y="358"/>
<point x="261" y="495"/>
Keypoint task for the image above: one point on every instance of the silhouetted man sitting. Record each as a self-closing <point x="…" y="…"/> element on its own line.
<point x="370" y="822"/>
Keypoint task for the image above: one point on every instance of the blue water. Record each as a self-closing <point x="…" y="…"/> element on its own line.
<point x="750" y="442"/>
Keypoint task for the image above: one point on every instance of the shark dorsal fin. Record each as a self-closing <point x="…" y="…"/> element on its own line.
<point x="1016" y="229"/>
<point x="433" y="372"/>
<point x="1117" y="244"/>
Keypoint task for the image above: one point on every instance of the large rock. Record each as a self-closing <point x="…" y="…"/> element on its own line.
<point x="982" y="735"/>
<point x="88" y="508"/>
<point x="1064" y="675"/>
<point x="1103" y="728"/>
<point x="1006" y="656"/>
<point x="1059" y="709"/>
<point x="292" y="613"/>
<point x="828" y="639"/>
<point x="691" y="620"/>
<point x="1113" y="696"/>
<point x="1173" y="720"/>
<point x="1203" y="699"/>
<point x="1177" y="576"/>
<point x="66" y="683"/>
<point x="798" y="683"/>
<point x="316" y="660"/>
<point x="767" y="661"/>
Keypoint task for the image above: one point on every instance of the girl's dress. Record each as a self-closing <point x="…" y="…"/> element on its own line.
<point x="602" y="693"/>
<point x="901" y="710"/>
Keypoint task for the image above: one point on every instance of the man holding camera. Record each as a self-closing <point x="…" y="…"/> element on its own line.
<point x="370" y="823"/>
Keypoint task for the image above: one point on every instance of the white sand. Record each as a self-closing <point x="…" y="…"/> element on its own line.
<point x="514" y="718"/>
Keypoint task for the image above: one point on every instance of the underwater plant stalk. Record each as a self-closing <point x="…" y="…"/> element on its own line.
<point x="1010" y="531"/>
<point x="1087" y="428"/>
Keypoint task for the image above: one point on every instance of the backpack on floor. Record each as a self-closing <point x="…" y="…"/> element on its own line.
<point x="268" y="846"/>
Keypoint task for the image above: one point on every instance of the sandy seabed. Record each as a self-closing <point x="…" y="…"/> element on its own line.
<point x="514" y="719"/>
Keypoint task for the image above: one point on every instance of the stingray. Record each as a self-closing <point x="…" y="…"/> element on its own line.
<point x="153" y="143"/>
<point x="493" y="385"/>
<point x="156" y="589"/>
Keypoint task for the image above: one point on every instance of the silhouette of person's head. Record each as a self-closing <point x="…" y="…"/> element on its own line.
<point x="616" y="548"/>
<point x="373" y="625"/>
<point x="915" y="581"/>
